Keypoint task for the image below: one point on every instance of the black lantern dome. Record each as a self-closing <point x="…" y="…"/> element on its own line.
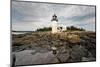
<point x="54" y="18"/>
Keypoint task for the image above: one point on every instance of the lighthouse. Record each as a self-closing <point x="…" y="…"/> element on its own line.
<point x="54" y="21"/>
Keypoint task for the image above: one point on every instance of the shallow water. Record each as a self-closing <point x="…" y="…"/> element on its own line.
<point x="19" y="33"/>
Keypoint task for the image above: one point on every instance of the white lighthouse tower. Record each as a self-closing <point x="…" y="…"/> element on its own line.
<point x="54" y="24"/>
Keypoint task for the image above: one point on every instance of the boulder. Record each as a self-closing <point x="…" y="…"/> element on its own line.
<point x="73" y="38"/>
<point x="88" y="59"/>
<point x="78" y="52"/>
<point x="27" y="57"/>
<point x="63" y="54"/>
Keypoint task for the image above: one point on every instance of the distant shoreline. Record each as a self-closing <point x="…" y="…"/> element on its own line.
<point x="22" y="31"/>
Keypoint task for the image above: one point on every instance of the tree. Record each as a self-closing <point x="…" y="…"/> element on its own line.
<point x="73" y="28"/>
<point x="44" y="29"/>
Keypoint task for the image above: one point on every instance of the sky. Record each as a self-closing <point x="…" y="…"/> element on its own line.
<point x="29" y="16"/>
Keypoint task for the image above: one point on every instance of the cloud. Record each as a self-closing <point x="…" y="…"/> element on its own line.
<point x="81" y="17"/>
<point x="31" y="15"/>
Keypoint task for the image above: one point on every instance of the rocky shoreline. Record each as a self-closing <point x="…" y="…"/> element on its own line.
<point x="71" y="47"/>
